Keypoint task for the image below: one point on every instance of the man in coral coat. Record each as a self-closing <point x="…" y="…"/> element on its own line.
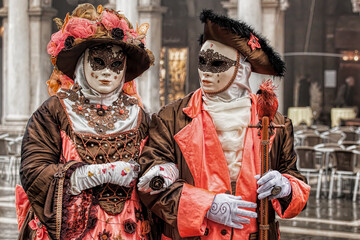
<point x="206" y="135"/>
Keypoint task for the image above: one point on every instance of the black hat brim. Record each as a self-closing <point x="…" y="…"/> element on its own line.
<point x="138" y="60"/>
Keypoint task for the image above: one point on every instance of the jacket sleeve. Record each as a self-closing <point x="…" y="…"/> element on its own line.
<point x="160" y="149"/>
<point x="175" y="204"/>
<point x="40" y="162"/>
<point x="292" y="205"/>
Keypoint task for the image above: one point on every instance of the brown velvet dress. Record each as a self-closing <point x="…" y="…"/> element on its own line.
<point x="51" y="151"/>
<point x="162" y="147"/>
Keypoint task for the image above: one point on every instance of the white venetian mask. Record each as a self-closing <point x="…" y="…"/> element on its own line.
<point x="104" y="67"/>
<point x="217" y="66"/>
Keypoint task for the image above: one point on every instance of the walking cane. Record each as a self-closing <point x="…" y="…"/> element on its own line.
<point x="266" y="108"/>
<point x="264" y="203"/>
<point x="265" y="130"/>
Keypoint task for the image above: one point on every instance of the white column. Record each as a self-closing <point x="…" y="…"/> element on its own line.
<point x="3" y="87"/>
<point x="41" y="15"/>
<point x="232" y="8"/>
<point x="112" y="5"/>
<point x="250" y="12"/>
<point x="273" y="30"/>
<point x="150" y="12"/>
<point x="355" y="6"/>
<point x="17" y="101"/>
<point x="130" y="10"/>
<point x="267" y="18"/>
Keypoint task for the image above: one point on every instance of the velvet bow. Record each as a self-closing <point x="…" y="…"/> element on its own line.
<point x="41" y="232"/>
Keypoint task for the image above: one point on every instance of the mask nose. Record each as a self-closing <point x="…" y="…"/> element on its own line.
<point x="207" y="74"/>
<point x="106" y="73"/>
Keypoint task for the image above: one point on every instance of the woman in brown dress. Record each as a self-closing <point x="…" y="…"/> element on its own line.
<point x="81" y="146"/>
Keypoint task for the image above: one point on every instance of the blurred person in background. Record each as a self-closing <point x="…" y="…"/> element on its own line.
<point x="345" y="93"/>
<point x="304" y="91"/>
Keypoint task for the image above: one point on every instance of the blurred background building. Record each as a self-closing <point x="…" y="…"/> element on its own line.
<point x="319" y="39"/>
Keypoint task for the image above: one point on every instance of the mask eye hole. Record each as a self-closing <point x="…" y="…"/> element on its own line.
<point x="217" y="63"/>
<point x="99" y="61"/>
<point x="202" y="61"/>
<point x="116" y="64"/>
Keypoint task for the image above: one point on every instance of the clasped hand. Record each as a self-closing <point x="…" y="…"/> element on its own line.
<point x="269" y="181"/>
<point x="168" y="171"/>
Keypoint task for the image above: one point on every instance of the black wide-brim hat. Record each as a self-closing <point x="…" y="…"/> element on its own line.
<point x="239" y="35"/>
<point x="137" y="61"/>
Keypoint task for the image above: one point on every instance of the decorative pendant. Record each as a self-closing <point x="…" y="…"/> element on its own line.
<point x="101" y="110"/>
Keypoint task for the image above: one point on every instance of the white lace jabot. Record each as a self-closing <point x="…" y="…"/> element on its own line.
<point x="230" y="120"/>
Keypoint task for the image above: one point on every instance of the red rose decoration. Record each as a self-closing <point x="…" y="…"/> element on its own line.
<point x="254" y="42"/>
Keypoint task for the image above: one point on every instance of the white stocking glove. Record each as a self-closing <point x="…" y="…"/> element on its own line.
<point x="89" y="176"/>
<point x="269" y="181"/>
<point x="169" y="173"/>
<point x="226" y="210"/>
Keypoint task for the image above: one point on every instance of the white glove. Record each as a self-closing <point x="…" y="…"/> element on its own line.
<point x="169" y="173"/>
<point x="270" y="180"/>
<point x="89" y="176"/>
<point x="226" y="210"/>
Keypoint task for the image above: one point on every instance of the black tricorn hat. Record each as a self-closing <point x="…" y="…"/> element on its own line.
<point x="242" y="37"/>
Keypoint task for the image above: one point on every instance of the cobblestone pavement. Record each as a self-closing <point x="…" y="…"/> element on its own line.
<point x="322" y="219"/>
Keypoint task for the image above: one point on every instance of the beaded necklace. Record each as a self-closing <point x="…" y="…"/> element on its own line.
<point x="99" y="117"/>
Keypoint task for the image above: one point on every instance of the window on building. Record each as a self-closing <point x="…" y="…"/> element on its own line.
<point x="173" y="73"/>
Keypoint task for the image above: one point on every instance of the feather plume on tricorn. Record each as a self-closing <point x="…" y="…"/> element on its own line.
<point x="267" y="103"/>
